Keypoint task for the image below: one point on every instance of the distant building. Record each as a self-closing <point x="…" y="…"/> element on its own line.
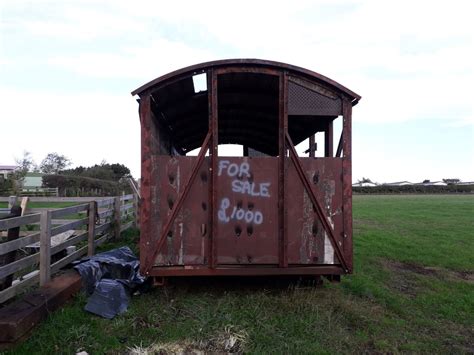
<point x="364" y="184"/>
<point x="398" y="183"/>
<point x="7" y="169"/>
<point x="436" y="183"/>
<point x="33" y="180"/>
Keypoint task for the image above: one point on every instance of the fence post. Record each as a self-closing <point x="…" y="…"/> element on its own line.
<point x="45" y="247"/>
<point x="91" y="229"/>
<point x="136" y="222"/>
<point x="117" y="217"/>
<point x="11" y="201"/>
<point x="136" y="201"/>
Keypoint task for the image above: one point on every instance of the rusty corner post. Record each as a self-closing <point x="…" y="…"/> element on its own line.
<point x="213" y="153"/>
<point x="45" y="247"/>
<point x="91" y="229"/>
<point x="283" y="129"/>
<point x="347" y="181"/>
<point x="117" y="217"/>
<point x="12" y="234"/>
<point x="147" y="146"/>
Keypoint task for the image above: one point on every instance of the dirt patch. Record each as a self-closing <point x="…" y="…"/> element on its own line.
<point x="228" y="341"/>
<point x="408" y="285"/>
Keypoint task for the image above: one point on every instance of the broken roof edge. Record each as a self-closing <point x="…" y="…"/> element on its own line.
<point x="202" y="67"/>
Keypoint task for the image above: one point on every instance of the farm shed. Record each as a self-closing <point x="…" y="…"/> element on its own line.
<point x="270" y="211"/>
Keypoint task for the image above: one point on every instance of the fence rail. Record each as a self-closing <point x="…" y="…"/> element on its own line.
<point x="24" y="263"/>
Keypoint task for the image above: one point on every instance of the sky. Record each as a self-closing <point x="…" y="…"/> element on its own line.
<point x="67" y="69"/>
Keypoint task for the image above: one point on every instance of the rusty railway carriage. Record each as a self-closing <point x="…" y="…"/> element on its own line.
<point x="267" y="212"/>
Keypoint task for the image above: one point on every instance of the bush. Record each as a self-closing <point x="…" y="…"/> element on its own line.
<point x="84" y="186"/>
<point x="417" y="189"/>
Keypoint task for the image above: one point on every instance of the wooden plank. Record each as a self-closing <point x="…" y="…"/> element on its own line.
<point x="126" y="197"/>
<point x="62" y="221"/>
<point x="23" y="204"/>
<point x="18" y="265"/>
<point x="126" y="207"/>
<point x="71" y="241"/>
<point x="105" y="202"/>
<point x="12" y="234"/>
<point x="126" y="226"/>
<point x="136" y="211"/>
<point x="69" y="210"/>
<point x="68" y="259"/>
<point x="117" y="218"/>
<point x="19" y="221"/>
<point x="18" y="287"/>
<point x="57" y="199"/>
<point x="45" y="247"/>
<point x="91" y="229"/>
<point x="134" y="187"/>
<point x="102" y="239"/>
<point x="105" y="214"/>
<point x="102" y="228"/>
<point x="19" y="317"/>
<point x="66" y="227"/>
<point x="19" y="243"/>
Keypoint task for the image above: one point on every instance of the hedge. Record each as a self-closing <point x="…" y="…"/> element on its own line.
<point x="410" y="189"/>
<point x="83" y="186"/>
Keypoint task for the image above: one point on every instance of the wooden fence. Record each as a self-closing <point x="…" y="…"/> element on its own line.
<point x="88" y="224"/>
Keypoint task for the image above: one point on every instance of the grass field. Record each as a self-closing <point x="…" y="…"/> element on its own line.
<point x="412" y="291"/>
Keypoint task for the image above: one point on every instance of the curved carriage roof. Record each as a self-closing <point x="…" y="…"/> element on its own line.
<point x="248" y="104"/>
<point x="203" y="67"/>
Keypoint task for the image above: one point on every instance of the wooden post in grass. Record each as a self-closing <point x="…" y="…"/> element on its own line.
<point x="91" y="229"/>
<point x="45" y="247"/>
<point x="117" y="217"/>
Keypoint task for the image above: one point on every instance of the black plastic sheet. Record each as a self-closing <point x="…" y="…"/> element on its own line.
<point x="109" y="278"/>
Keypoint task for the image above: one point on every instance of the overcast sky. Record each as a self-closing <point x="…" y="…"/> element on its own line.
<point x="67" y="69"/>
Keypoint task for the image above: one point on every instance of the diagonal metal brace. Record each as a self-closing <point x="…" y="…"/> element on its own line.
<point x="179" y="202"/>
<point x="319" y="210"/>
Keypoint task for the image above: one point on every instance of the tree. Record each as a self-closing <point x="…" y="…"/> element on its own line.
<point x="24" y="164"/>
<point x="426" y="181"/>
<point x="364" y="180"/>
<point x="54" y="163"/>
<point x="104" y="171"/>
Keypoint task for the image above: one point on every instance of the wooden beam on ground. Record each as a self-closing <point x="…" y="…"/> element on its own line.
<point x="20" y="317"/>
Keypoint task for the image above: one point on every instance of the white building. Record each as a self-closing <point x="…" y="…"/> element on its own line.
<point x="7" y="169"/>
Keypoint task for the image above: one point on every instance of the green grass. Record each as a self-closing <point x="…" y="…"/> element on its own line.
<point x="412" y="291"/>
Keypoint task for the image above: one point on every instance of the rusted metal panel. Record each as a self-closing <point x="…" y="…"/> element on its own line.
<point x="187" y="241"/>
<point x="308" y="241"/>
<point x="248" y="218"/>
